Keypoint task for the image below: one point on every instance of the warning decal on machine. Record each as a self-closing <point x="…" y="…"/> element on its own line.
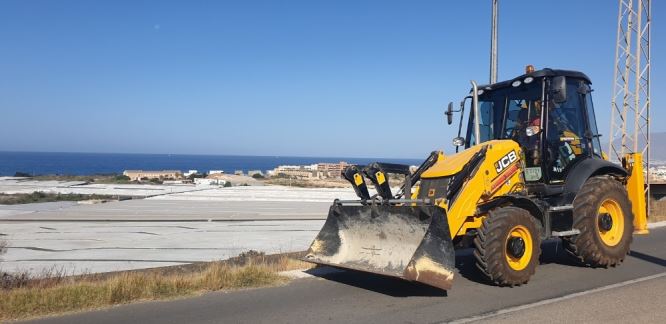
<point x="532" y="174"/>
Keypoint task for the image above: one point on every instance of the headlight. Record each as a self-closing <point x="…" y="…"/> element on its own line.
<point x="532" y="130"/>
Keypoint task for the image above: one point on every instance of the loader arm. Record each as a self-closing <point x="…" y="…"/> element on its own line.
<point x="461" y="182"/>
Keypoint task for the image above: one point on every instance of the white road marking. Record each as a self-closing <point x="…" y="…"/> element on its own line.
<point x="657" y="224"/>
<point x="554" y="300"/>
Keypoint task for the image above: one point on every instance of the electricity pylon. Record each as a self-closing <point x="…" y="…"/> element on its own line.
<point x="630" y="103"/>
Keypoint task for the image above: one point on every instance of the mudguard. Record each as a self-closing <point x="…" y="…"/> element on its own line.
<point x="583" y="170"/>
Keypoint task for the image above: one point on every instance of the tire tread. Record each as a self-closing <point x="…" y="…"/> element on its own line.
<point x="489" y="244"/>
<point x="586" y="246"/>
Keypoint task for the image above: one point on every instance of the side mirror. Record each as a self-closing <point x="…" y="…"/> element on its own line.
<point x="558" y="89"/>
<point x="449" y="113"/>
<point x="459" y="141"/>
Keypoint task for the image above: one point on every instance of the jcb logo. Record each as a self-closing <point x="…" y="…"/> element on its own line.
<point x="505" y="161"/>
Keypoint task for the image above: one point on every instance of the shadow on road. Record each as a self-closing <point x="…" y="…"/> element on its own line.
<point x="466" y="265"/>
<point x="648" y="258"/>
<point x="552" y="251"/>
<point x="381" y="284"/>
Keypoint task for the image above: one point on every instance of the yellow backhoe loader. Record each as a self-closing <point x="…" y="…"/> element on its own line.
<point x="531" y="169"/>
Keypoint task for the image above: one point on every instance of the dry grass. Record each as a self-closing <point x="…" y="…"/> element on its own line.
<point x="31" y="297"/>
<point x="395" y="180"/>
<point x="98" y="178"/>
<point x="38" y="197"/>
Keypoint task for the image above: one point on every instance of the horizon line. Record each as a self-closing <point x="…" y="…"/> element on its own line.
<point x="201" y="154"/>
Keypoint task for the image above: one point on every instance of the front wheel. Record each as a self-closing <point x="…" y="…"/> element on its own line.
<point x="602" y="213"/>
<point x="507" y="246"/>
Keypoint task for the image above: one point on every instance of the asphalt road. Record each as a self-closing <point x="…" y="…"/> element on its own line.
<point x="638" y="302"/>
<point x="347" y="296"/>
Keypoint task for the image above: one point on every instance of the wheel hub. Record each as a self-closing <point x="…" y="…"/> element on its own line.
<point x="516" y="247"/>
<point x="605" y="222"/>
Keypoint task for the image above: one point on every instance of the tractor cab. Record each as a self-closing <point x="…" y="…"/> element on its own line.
<point x="549" y="113"/>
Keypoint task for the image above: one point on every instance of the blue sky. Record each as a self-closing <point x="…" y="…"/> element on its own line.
<point x="304" y="78"/>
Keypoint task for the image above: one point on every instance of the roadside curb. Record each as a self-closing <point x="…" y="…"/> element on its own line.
<point x="657" y="224"/>
<point x="309" y="273"/>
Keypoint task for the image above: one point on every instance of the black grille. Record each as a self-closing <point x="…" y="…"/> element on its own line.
<point x="433" y="188"/>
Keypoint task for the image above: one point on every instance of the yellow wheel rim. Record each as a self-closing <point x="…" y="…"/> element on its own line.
<point x="610" y="209"/>
<point x="519" y="263"/>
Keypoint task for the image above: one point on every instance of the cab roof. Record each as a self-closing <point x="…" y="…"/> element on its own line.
<point x="547" y="72"/>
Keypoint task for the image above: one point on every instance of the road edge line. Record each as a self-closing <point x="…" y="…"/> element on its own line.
<point x="554" y="300"/>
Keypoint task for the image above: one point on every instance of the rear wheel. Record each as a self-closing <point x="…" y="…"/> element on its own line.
<point x="508" y="246"/>
<point x="602" y="214"/>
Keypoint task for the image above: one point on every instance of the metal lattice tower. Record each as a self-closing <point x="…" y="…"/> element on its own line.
<point x="630" y="103"/>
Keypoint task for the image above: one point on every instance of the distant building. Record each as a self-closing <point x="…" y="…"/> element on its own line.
<point x="190" y="172"/>
<point x="239" y="172"/>
<point x="312" y="167"/>
<point x="313" y="171"/>
<point x="215" y="171"/>
<point x="657" y="173"/>
<point x="143" y="174"/>
<point x="332" y="170"/>
<point x="296" y="171"/>
<point x="175" y="182"/>
<point x="209" y="181"/>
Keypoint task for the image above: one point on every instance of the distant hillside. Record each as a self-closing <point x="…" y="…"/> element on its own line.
<point x="657" y="148"/>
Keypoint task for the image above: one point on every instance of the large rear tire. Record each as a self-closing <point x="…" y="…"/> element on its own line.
<point x="508" y="246"/>
<point x="602" y="213"/>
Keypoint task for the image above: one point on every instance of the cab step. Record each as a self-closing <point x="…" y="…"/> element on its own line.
<point x="566" y="233"/>
<point x="560" y="208"/>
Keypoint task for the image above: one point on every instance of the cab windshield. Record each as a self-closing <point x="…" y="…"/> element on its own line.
<point x="506" y="112"/>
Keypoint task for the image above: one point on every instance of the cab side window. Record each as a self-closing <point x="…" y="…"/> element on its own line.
<point x="566" y="132"/>
<point x="596" y="145"/>
<point x="486" y="130"/>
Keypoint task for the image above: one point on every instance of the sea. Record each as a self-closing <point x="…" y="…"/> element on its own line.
<point x="52" y="163"/>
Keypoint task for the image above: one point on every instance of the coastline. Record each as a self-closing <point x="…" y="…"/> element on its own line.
<point x="85" y="164"/>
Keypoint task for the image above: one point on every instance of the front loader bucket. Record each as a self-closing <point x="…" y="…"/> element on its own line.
<point x="409" y="242"/>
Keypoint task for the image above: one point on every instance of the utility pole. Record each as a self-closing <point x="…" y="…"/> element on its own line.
<point x="630" y="103"/>
<point x="493" y="44"/>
